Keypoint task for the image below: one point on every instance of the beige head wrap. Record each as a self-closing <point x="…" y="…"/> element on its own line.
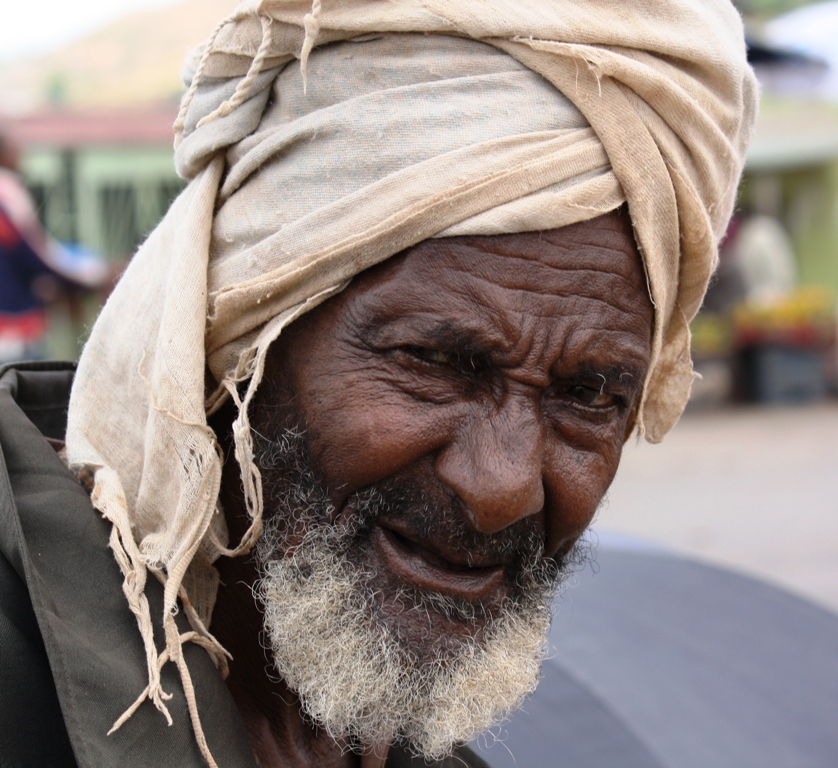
<point x="320" y="140"/>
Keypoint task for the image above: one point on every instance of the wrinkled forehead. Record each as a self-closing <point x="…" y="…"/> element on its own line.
<point x="510" y="287"/>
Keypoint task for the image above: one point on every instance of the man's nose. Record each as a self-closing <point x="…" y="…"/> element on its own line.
<point x="494" y="464"/>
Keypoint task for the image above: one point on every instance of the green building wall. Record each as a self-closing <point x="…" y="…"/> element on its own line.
<point x="105" y="198"/>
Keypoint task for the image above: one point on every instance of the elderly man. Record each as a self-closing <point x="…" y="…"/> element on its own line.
<point x="359" y="395"/>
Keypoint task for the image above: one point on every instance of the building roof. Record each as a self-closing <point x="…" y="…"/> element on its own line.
<point x="70" y="129"/>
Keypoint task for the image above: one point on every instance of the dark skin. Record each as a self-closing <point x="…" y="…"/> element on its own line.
<point x="498" y="375"/>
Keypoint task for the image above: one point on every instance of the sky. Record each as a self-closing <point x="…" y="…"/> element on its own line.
<point x="32" y="26"/>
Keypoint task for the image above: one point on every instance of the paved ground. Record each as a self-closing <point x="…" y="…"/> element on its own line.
<point x="751" y="489"/>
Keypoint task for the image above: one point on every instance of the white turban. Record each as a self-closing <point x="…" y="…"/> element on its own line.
<point x="320" y="141"/>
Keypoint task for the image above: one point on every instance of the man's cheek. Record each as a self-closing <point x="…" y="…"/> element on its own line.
<point x="367" y="432"/>
<point x="575" y="484"/>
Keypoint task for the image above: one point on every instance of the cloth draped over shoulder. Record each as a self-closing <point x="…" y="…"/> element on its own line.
<point x="322" y="139"/>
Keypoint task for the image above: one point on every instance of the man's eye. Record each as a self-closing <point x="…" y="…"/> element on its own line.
<point x="430" y="355"/>
<point x="596" y="398"/>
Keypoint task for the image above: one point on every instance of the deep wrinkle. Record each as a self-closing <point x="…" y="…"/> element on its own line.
<point x="475" y="357"/>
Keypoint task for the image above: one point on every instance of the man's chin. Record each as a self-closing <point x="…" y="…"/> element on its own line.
<point x="376" y="664"/>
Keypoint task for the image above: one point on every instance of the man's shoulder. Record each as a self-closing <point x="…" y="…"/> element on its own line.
<point x="64" y="574"/>
<point x="40" y="391"/>
<point x="32" y="728"/>
<point x="33" y="413"/>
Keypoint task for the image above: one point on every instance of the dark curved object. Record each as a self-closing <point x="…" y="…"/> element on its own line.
<point x="657" y="660"/>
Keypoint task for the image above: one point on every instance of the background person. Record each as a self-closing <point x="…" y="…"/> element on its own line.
<point x="33" y="266"/>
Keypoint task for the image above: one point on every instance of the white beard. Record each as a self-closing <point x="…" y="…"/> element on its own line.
<point x="354" y="678"/>
<point x="353" y="675"/>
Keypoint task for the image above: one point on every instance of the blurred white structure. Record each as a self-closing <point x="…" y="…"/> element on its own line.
<point x="812" y="31"/>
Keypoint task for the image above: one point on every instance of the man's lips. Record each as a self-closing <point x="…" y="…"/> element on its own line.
<point x="415" y="563"/>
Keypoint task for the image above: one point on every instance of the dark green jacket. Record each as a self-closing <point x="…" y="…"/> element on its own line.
<point x="72" y="659"/>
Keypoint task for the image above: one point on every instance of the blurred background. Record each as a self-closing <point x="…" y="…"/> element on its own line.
<point x="748" y="479"/>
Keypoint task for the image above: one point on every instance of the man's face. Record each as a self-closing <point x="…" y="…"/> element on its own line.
<point x="446" y="428"/>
